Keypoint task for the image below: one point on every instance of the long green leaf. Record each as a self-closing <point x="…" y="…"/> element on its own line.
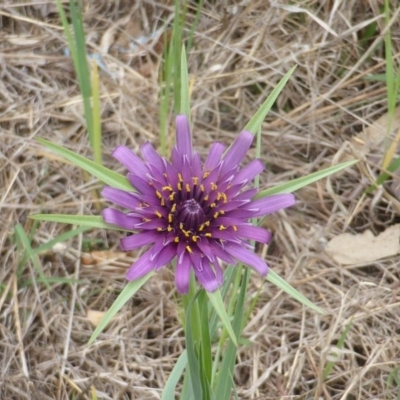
<point x="224" y="381"/>
<point x="274" y="278"/>
<point x="104" y="174"/>
<point x="23" y="238"/>
<point x="92" y="221"/>
<point x="218" y="304"/>
<point x="129" y="290"/>
<point x="96" y="134"/>
<point x="174" y="377"/>
<point x="255" y="122"/>
<point x="58" y="239"/>
<point x="81" y="64"/>
<point x="329" y="366"/>
<point x="185" y="97"/>
<point x="191" y="333"/>
<point x="296" y="184"/>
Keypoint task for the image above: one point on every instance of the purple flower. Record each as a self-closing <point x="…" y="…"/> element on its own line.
<point x="196" y="213"/>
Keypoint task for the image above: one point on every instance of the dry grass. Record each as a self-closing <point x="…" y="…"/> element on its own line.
<point x="241" y="52"/>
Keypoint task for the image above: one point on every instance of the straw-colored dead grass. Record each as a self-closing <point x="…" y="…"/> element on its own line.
<point x="241" y="51"/>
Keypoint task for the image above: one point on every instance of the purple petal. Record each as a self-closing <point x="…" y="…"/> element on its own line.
<point x="116" y="217"/>
<point x="151" y="156"/>
<point x="247" y="257"/>
<point x="138" y="240"/>
<point x="182" y="273"/>
<point x="176" y="159"/>
<point x="214" y="156"/>
<point x="253" y="233"/>
<point x="183" y="136"/>
<point x="196" y="165"/>
<point x="271" y="204"/>
<point x="237" y="151"/>
<point x="204" y="273"/>
<point x="140" y="268"/>
<point x="152" y="224"/>
<point x="220" y="252"/>
<point x="218" y="272"/>
<point x="165" y="255"/>
<point x="229" y="221"/>
<point x="241" y="213"/>
<point x="224" y="235"/>
<point x="248" y="173"/>
<point x="141" y="185"/>
<point x="120" y="197"/>
<point x="205" y="248"/>
<point x="232" y="205"/>
<point x="130" y="160"/>
<point x="246" y="195"/>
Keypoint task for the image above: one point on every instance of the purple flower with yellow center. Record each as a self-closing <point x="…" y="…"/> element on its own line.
<point x="196" y="213"/>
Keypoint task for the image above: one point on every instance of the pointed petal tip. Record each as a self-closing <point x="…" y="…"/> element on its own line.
<point x="183" y="136"/>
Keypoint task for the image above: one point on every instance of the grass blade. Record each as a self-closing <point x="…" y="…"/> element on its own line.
<point x="104" y="174"/>
<point x="91" y="221"/>
<point x="23" y="239"/>
<point x="255" y="122"/>
<point x="129" y="290"/>
<point x="298" y="183"/>
<point x="96" y="131"/>
<point x="174" y="377"/>
<point x="274" y="278"/>
<point x="340" y="344"/>
<point x="218" y="304"/>
<point x="185" y="97"/>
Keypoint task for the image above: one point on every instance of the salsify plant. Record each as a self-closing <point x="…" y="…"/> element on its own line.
<point x="196" y="216"/>
<point x="197" y="213"/>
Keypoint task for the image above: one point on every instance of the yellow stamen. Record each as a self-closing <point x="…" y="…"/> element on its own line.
<point x="207" y="223"/>
<point x="189" y="249"/>
<point x="181" y="226"/>
<point x="170" y="217"/>
<point x="194" y="238"/>
<point x="176" y="240"/>
<point x="159" y="195"/>
<point x="201" y="227"/>
<point x="222" y="212"/>
<point x="213" y="186"/>
<point x="187" y="187"/>
<point x="234" y="228"/>
<point x="173" y="208"/>
<point x="216" y="214"/>
<point x="208" y="235"/>
<point x="171" y="196"/>
<point x="223" y="197"/>
<point x="169" y="188"/>
<point x="146" y="219"/>
<point x="180" y="177"/>
<point x="186" y="233"/>
<point x="179" y="186"/>
<point x="162" y="202"/>
<point x="205" y="174"/>
<point x="195" y="180"/>
<point x="202" y="188"/>
<point x="222" y="228"/>
<point x="160" y="229"/>
<point x="169" y="228"/>
<point x="212" y="205"/>
<point x="206" y="197"/>
<point x="158" y="214"/>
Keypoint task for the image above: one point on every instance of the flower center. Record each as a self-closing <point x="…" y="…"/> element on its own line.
<point x="191" y="215"/>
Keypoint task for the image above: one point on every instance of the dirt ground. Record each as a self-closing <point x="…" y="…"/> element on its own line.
<point x="240" y="52"/>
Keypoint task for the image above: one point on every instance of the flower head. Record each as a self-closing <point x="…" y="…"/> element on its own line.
<point x="196" y="213"/>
